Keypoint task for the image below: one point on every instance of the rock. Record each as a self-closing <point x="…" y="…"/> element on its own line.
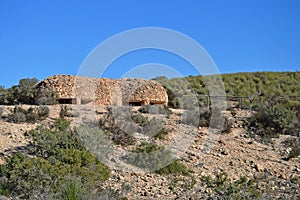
<point x="221" y="141"/>
<point x="283" y="176"/>
<point x="258" y="167"/>
<point x="224" y="152"/>
<point x="3" y="197"/>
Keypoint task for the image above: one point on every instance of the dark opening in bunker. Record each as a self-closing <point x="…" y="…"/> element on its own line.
<point x="135" y="103"/>
<point x="67" y="100"/>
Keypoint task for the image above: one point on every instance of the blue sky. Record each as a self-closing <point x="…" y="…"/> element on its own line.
<point x="43" y="38"/>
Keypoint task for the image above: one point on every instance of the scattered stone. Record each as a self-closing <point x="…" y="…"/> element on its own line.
<point x="224" y="152"/>
<point x="221" y="141"/>
<point x="283" y="176"/>
<point x="258" y="167"/>
<point x="3" y="197"/>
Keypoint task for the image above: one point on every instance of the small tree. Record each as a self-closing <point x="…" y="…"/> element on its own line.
<point x="24" y="93"/>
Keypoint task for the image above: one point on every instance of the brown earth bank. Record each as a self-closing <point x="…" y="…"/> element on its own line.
<point x="235" y="154"/>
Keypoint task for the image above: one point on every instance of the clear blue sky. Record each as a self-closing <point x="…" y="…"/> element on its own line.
<point x="43" y="38"/>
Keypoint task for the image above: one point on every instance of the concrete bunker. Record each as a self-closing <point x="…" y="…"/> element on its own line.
<point x="102" y="91"/>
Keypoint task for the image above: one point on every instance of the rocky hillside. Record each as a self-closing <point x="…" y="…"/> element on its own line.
<point x="237" y="164"/>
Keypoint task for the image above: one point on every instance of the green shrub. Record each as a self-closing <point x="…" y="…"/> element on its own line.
<point x="197" y="118"/>
<point x="175" y="167"/>
<point x="46" y="97"/>
<point x="27" y="92"/>
<point x="65" y="111"/>
<point x="140" y="119"/>
<point x="227" y="126"/>
<point x="281" y="118"/>
<point x="149" y="156"/>
<point x="43" y="112"/>
<point x="31" y="115"/>
<point x="73" y="189"/>
<point x="278" y="119"/>
<point x="24" y="93"/>
<point x="191" y="117"/>
<point x="124" y="139"/>
<point x="62" y="124"/>
<point x="224" y="188"/>
<point x="154" y="109"/>
<point x="17" y="117"/>
<point x="294" y="144"/>
<point x="1" y="111"/>
<point x="294" y="153"/>
<point x="117" y="123"/>
<point x="161" y="134"/>
<point x="153" y="127"/>
<point x="58" y="154"/>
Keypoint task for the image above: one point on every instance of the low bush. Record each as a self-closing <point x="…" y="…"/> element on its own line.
<point x="123" y="138"/>
<point x="221" y="187"/>
<point x="191" y="117"/>
<point x="46" y="97"/>
<point x="43" y="112"/>
<point x="294" y="145"/>
<point x="57" y="154"/>
<point x="1" y="111"/>
<point x="261" y="186"/>
<point x="17" y="117"/>
<point x="65" y="111"/>
<point x="117" y="122"/>
<point x="153" y="127"/>
<point x="155" y="109"/>
<point x="294" y="153"/>
<point x="271" y="121"/>
<point x="227" y="126"/>
<point x="31" y="115"/>
<point x="175" y="167"/>
<point x="149" y="156"/>
<point x="140" y="119"/>
<point x="161" y="134"/>
<point x="120" y="122"/>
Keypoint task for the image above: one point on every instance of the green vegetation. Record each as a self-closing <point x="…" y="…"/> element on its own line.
<point x="256" y="85"/>
<point x="161" y="134"/>
<point x="149" y="156"/>
<point x="1" y="111"/>
<point x="222" y="186"/>
<point x="175" y="167"/>
<point x="155" y="109"/>
<point x="58" y="155"/>
<point x="31" y="115"/>
<point x="219" y="186"/>
<point x="273" y="118"/>
<point x="294" y="145"/>
<point x="66" y="111"/>
<point x="26" y="92"/>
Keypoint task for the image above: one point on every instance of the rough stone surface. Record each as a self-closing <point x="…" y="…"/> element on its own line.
<point x="103" y="91"/>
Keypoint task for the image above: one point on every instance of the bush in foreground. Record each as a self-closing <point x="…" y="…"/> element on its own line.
<point x="30" y="115"/>
<point x="58" y="154"/>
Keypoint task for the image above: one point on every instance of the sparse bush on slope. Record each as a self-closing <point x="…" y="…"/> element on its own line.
<point x="1" y="111"/>
<point x="30" y="115"/>
<point x="58" y="154"/>
<point x="26" y="92"/>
